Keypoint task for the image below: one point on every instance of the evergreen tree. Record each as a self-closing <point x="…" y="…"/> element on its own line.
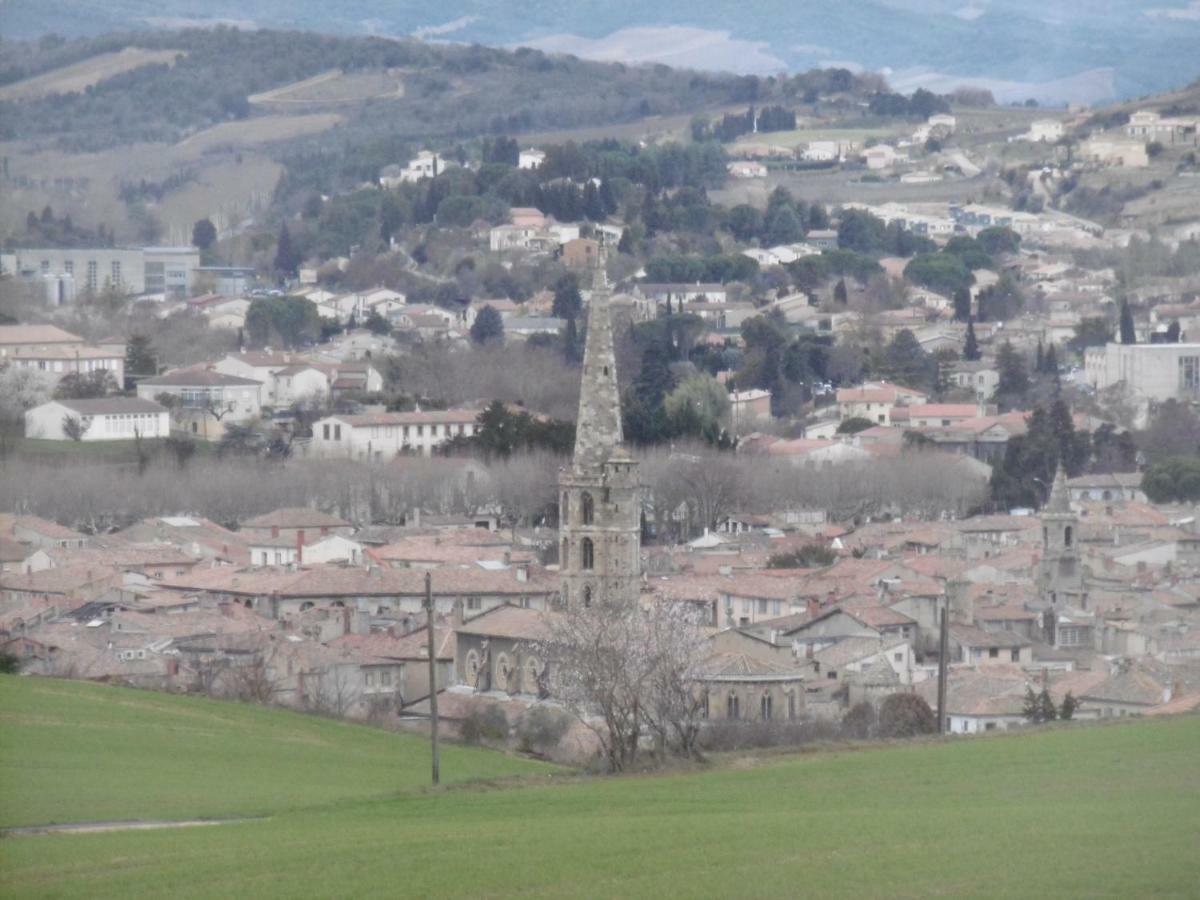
<point x="1048" y="710"/>
<point x="962" y="304"/>
<point x="488" y="326"/>
<point x="204" y="233"/>
<point x="139" y="356"/>
<point x="971" y="347"/>
<point x="1050" y="362"/>
<point x="839" y="291"/>
<point x="1069" y="705"/>
<point x="286" y="256"/>
<point x="1173" y="332"/>
<point x="1128" y="334"/>
<point x="572" y="345"/>
<point x="626" y="245"/>
<point x="1032" y="707"/>
<point x="1013" y="385"/>
<point x="568" y="302"/>
<point x="1039" y="360"/>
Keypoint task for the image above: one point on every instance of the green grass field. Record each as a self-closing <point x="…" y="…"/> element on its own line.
<point x="77" y="752"/>
<point x="1077" y="811"/>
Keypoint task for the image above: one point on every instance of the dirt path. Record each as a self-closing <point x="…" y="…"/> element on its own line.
<point x="136" y="825"/>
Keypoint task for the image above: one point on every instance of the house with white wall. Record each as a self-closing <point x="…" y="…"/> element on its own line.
<point x="100" y="419"/>
<point x="383" y="436"/>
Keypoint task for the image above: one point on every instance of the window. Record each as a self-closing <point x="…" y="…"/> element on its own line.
<point x="732" y="707"/>
<point x="587" y="595"/>
<point x="385" y="678"/>
<point x="565" y="559"/>
<point x="587" y="508"/>
<point x="993" y="652"/>
<point x="989" y="726"/>
<point x="370" y="678"/>
<point x="566" y="508"/>
<point x="325" y="431"/>
<point x="589" y="554"/>
<point x="764" y="707"/>
<point x="474" y="603"/>
<point x="471" y="667"/>
<point x="1016" y="655"/>
<point x="1189" y="373"/>
<point x="704" y="705"/>
<point x="762" y="607"/>
<point x="791" y="703"/>
<point x="1068" y="536"/>
<point x="898" y="657"/>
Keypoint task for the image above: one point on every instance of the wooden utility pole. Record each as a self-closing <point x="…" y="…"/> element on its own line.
<point x="943" y="652"/>
<point x="433" y="712"/>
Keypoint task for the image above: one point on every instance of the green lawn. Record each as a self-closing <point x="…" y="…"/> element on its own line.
<point x="1077" y="811"/>
<point x="77" y="752"/>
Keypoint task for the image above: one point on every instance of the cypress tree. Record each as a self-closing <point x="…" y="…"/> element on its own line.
<point x="971" y="348"/>
<point x="1128" y="335"/>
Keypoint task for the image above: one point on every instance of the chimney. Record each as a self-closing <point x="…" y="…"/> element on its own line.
<point x="456" y="613"/>
<point x="813" y="607"/>
<point x="346" y="620"/>
<point x="299" y="545"/>
<point x="808" y="651"/>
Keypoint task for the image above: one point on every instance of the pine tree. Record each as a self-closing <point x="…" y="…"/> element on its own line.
<point x="1048" y="710"/>
<point x="1050" y="362"/>
<point x="1128" y="335"/>
<point x="840" y="294"/>
<point x="488" y="326"/>
<point x="1069" y="705"/>
<point x="971" y="348"/>
<point x="1173" y="332"/>
<point x="286" y="261"/>
<point x="962" y="305"/>
<point x="1032" y="708"/>
<point x="1039" y="360"/>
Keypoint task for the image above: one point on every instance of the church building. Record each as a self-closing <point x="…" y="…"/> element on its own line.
<point x="600" y="496"/>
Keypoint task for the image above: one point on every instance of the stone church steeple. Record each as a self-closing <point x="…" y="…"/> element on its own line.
<point x="600" y="497"/>
<point x="1060" y="576"/>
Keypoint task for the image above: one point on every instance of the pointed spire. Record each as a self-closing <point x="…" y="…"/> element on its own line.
<point x="1060" y="497"/>
<point x="598" y="428"/>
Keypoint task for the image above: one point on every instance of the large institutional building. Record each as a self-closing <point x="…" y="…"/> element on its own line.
<point x="1149" y="371"/>
<point x="600" y="513"/>
<point x="68" y="272"/>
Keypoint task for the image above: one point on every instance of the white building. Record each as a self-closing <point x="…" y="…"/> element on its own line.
<point x="146" y="270"/>
<point x="208" y="400"/>
<point x="1045" y="131"/>
<point x="1151" y="126"/>
<point x="1148" y="371"/>
<point x="881" y="156"/>
<point x="531" y="159"/>
<point x="382" y="436"/>
<point x="426" y="165"/>
<point x="101" y="419"/>
<point x="747" y="168"/>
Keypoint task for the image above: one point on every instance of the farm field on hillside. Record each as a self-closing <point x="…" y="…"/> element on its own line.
<point x="78" y="752"/>
<point x="1095" y="811"/>
<point x="83" y="74"/>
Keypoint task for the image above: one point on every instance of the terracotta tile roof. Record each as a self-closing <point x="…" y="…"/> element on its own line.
<point x="296" y="517"/>
<point x="111" y="406"/>
<point x="199" y="376"/>
<point x="46" y="528"/>
<point x="36" y="334"/>
<point x="736" y="666"/>
<point x="511" y="622"/>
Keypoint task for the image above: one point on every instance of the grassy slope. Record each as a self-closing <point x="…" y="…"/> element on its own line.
<point x="76" y="752"/>
<point x="1096" y="811"/>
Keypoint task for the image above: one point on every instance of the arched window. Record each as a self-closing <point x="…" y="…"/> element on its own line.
<point x="791" y="700"/>
<point x="588" y="553"/>
<point x="764" y="707"/>
<point x="587" y="595"/>
<point x="704" y="705"/>
<point x="1068" y="536"/>
<point x="587" y="508"/>
<point x="532" y="670"/>
<point x="471" y="668"/>
<point x="566" y="554"/>
<point x="566" y="508"/>
<point x="732" y="707"/>
<point x="503" y="672"/>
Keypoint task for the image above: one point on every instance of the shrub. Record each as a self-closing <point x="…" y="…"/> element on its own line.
<point x="484" y="723"/>
<point x="741" y="735"/>
<point x="9" y="664"/>
<point x="542" y="729"/>
<point x="860" y="722"/>
<point x="905" y="715"/>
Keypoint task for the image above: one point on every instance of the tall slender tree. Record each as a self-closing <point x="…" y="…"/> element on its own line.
<point x="1128" y="335"/>
<point x="971" y="347"/>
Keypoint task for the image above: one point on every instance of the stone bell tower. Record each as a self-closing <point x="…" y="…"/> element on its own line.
<point x="1060" y="572"/>
<point x="600" y="509"/>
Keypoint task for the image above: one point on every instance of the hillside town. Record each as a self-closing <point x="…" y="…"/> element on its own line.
<point x="943" y="448"/>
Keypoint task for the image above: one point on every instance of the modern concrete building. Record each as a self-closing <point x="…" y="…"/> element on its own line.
<point x="102" y="419"/>
<point x="1150" y="372"/>
<point x="71" y="271"/>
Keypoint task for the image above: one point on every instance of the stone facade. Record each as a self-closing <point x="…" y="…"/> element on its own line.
<point x="600" y="503"/>
<point x="1060" y="576"/>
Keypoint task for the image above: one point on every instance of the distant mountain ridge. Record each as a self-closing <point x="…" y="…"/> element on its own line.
<point x="1055" y="51"/>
